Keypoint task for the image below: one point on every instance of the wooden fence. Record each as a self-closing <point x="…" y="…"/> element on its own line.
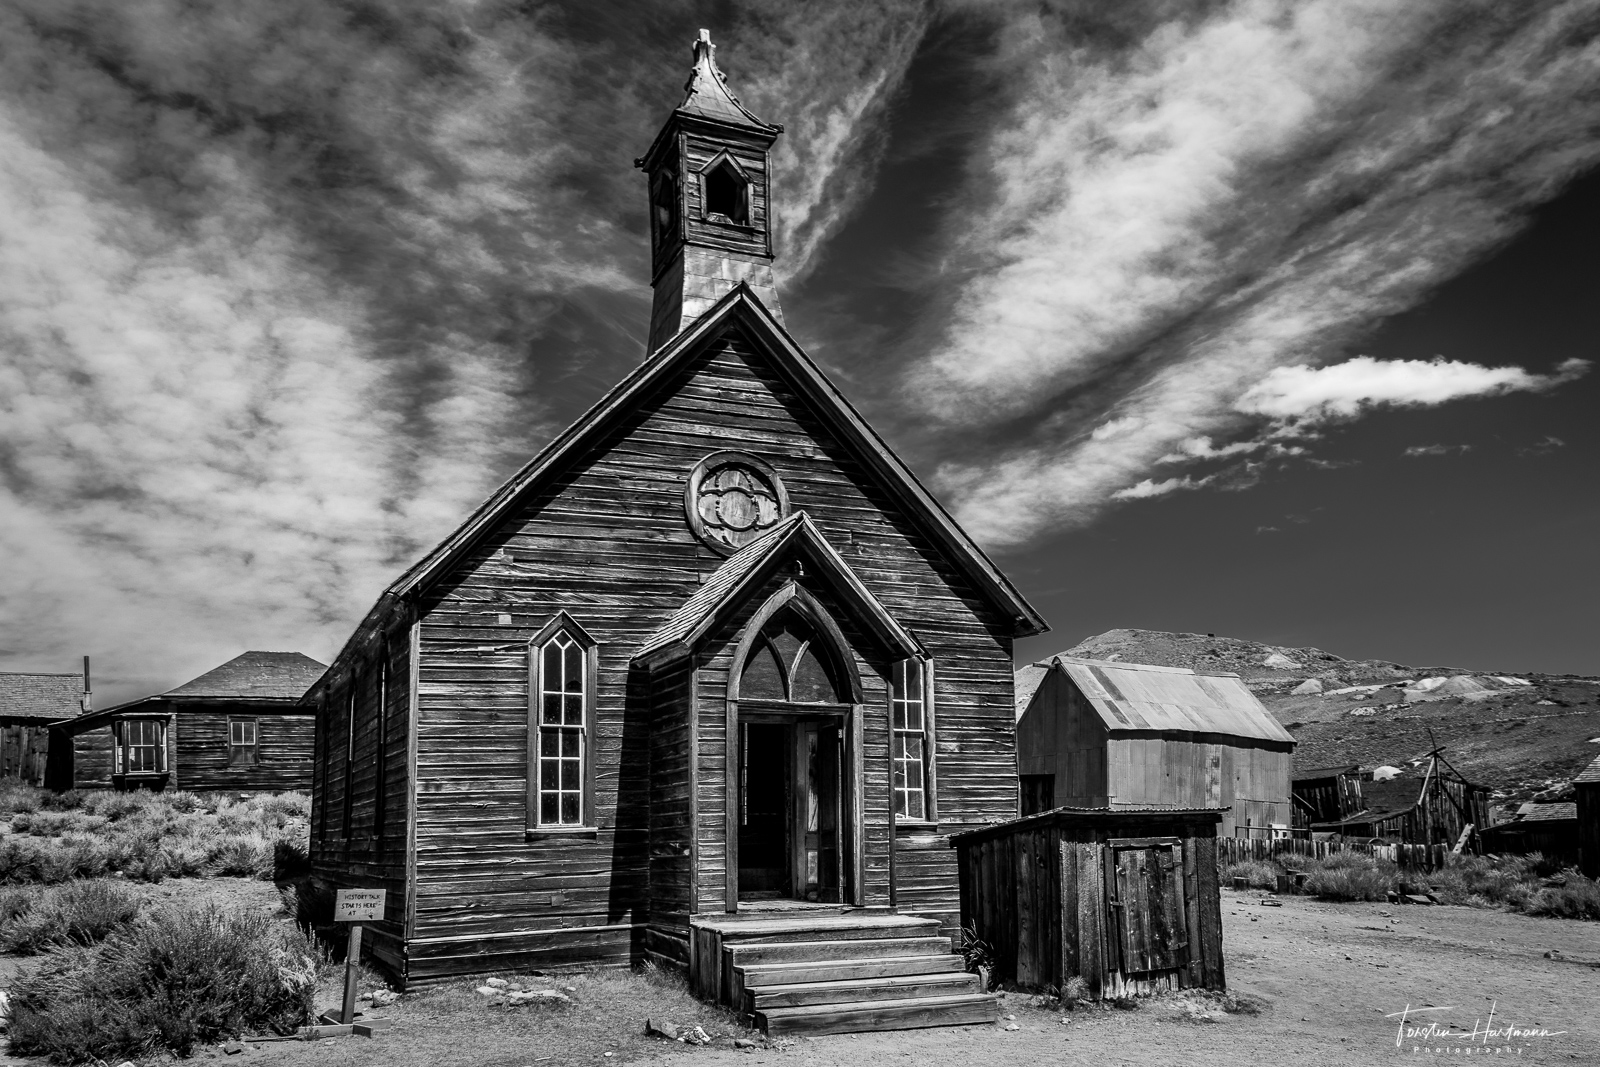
<point x="1286" y="850"/>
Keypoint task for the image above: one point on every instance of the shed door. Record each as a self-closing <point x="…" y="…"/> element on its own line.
<point x="1147" y="894"/>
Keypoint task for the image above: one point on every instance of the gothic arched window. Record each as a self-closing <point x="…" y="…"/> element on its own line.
<point x="791" y="663"/>
<point x="724" y="191"/>
<point x="561" y="681"/>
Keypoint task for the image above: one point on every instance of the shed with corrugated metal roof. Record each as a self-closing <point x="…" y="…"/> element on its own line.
<point x="1093" y="733"/>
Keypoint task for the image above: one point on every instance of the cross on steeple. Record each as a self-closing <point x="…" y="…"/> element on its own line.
<point x="710" y="226"/>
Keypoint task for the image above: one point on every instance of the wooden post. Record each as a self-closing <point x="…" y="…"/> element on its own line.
<point x="352" y="964"/>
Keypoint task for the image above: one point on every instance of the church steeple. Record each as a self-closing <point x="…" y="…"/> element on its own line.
<point x="710" y="228"/>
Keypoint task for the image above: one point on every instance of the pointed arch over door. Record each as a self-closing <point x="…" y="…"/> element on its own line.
<point x="794" y="735"/>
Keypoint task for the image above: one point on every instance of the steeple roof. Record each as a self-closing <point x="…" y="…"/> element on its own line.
<point x="707" y="94"/>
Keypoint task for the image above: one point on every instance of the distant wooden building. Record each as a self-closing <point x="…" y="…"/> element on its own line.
<point x="29" y="703"/>
<point x="1095" y="734"/>
<point x="237" y="727"/>
<point x="1433" y="810"/>
<point x="1550" y="829"/>
<point x="1126" y="899"/>
<point x="712" y="656"/>
<point x="1326" y="794"/>
<point x="1587" y="785"/>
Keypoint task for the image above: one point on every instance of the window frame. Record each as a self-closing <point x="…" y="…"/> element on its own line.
<point x="121" y="745"/>
<point x="562" y="625"/>
<point x="253" y="746"/>
<point x="741" y="175"/>
<point x="930" y="793"/>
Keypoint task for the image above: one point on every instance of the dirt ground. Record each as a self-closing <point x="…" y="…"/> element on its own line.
<point x="1330" y="979"/>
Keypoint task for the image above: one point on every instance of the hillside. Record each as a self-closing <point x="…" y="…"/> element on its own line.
<point x="1518" y="734"/>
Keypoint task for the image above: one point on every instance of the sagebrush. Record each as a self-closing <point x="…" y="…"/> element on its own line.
<point x="170" y="981"/>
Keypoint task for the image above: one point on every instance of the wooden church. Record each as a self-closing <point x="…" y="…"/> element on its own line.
<point x="709" y="682"/>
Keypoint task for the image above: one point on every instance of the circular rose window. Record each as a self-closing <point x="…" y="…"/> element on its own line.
<point x="732" y="497"/>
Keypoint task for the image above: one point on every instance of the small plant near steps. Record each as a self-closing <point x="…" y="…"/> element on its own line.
<point x="848" y="973"/>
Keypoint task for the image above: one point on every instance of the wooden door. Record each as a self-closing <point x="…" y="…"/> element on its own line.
<point x="765" y="805"/>
<point x="1146" y="891"/>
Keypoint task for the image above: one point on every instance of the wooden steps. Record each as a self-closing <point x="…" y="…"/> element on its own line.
<point x="844" y="972"/>
<point x="879" y="1015"/>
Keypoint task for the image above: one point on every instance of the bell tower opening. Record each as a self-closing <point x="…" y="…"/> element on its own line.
<point x="725" y="194"/>
<point x="710" y="220"/>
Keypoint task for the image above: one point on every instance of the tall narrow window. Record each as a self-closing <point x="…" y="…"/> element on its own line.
<point x="561" y="686"/>
<point x="380" y="785"/>
<point x="243" y="742"/>
<point x="909" y="712"/>
<point x="350" y="754"/>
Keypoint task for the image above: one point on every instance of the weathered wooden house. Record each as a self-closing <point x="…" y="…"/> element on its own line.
<point x="1326" y="794"/>
<point x="1433" y="810"/>
<point x="1550" y="829"/>
<point x="1126" y="899"/>
<point x="1094" y="734"/>
<point x="712" y="671"/>
<point x="238" y="727"/>
<point x="29" y="703"/>
<point x="1587" y="785"/>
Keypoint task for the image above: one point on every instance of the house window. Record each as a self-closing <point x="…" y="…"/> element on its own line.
<point x="243" y="743"/>
<point x="142" y="746"/>
<point x="562" y="678"/>
<point x="912" y="722"/>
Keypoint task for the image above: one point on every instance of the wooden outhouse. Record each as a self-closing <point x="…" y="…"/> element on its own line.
<point x="29" y="704"/>
<point x="238" y="727"/>
<point x="713" y="667"/>
<point x="1587" y="785"/>
<point x="1104" y="734"/>
<point x="1126" y="899"/>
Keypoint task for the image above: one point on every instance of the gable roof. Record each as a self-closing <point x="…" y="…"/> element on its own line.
<point x="740" y="305"/>
<point x="1590" y="773"/>
<point x="1026" y="682"/>
<point x="1549" y="812"/>
<point x="1132" y="697"/>
<point x="256" y="676"/>
<point x="46" y="697"/>
<point x="746" y="568"/>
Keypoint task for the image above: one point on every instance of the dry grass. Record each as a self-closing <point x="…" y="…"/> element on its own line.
<point x="78" y="913"/>
<point x="144" y="836"/>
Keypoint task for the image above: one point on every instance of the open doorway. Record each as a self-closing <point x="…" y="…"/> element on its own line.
<point x="790" y="800"/>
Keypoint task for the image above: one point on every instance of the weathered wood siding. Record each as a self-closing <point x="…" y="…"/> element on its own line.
<point x="1039" y="892"/>
<point x="1589" y="828"/>
<point x="359" y="821"/>
<point x="284" y="749"/>
<point x="672" y="814"/>
<point x="608" y="543"/>
<point x="24" y="750"/>
<point x="93" y="755"/>
<point x="1061" y="735"/>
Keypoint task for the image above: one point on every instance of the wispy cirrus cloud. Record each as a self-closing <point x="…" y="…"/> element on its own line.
<point x="281" y="284"/>
<point x="1188" y="199"/>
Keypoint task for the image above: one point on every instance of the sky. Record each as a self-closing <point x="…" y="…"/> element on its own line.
<point x="1269" y="319"/>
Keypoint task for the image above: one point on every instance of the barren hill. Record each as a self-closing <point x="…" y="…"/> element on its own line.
<point x="1516" y="734"/>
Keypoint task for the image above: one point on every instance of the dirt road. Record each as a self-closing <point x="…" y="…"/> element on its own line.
<point x="1332" y="975"/>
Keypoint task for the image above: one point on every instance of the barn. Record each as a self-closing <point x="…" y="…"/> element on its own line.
<point x="1096" y="734"/>
<point x="29" y="704"/>
<point x="708" y="682"/>
<point x="1587" y="785"/>
<point x="238" y="727"/>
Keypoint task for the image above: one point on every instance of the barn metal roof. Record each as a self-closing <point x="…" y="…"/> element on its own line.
<point x="1143" y="697"/>
<point x="46" y="697"/>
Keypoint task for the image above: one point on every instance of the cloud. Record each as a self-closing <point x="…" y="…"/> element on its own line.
<point x="1149" y="487"/>
<point x="286" y="288"/>
<point x="1181" y="202"/>
<point x="1436" y="450"/>
<point x="1344" y="390"/>
<point x="1542" y="448"/>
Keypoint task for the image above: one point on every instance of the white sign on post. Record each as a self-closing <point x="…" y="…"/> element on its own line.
<point x="358" y="906"/>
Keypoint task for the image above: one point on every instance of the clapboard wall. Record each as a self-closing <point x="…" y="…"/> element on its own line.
<point x="24" y="749"/>
<point x="202" y="751"/>
<point x="606" y="541"/>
